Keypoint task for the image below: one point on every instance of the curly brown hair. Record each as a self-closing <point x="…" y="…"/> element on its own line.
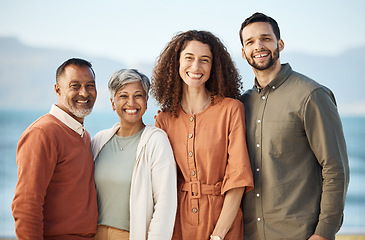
<point x="167" y="84"/>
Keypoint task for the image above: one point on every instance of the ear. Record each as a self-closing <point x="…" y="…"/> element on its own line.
<point x="57" y="89"/>
<point x="243" y="53"/>
<point x="113" y="105"/>
<point x="281" y="45"/>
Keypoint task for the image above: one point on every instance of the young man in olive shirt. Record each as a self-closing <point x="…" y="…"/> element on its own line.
<point x="296" y="145"/>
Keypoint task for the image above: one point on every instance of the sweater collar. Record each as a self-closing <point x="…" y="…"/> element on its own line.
<point x="67" y="120"/>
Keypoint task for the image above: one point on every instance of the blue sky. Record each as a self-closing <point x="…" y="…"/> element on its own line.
<point x="136" y="31"/>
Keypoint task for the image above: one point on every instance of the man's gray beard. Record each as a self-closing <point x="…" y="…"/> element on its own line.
<point x="80" y="113"/>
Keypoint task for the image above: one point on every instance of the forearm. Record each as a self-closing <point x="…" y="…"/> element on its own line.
<point x="164" y="188"/>
<point x="165" y="198"/>
<point x="27" y="225"/>
<point x="27" y="210"/>
<point x="35" y="168"/>
<point x="229" y="211"/>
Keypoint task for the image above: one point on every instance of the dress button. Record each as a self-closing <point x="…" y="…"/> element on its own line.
<point x="190" y="154"/>
<point x="195" y="210"/>
<point x="193" y="173"/>
<point x="190" y="135"/>
<point x="263" y="97"/>
<point x="258" y="145"/>
<point x="191" y="119"/>
<point x="273" y="87"/>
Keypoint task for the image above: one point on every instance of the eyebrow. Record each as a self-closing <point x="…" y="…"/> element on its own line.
<point x="201" y="56"/>
<point x="123" y="91"/>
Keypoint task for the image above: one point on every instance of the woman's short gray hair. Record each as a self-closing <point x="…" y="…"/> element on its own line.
<point x="124" y="76"/>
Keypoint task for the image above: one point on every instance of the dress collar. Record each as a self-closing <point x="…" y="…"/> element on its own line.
<point x="67" y="120"/>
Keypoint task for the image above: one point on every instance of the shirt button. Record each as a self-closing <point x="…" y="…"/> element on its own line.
<point x="190" y="135"/>
<point x="193" y="173"/>
<point x="273" y="87"/>
<point x="195" y="210"/>
<point x="258" y="145"/>
<point x="191" y="119"/>
<point x="259" y="121"/>
<point x="263" y="97"/>
<point x="257" y="169"/>
<point x="190" y="154"/>
<point x="258" y="219"/>
<point x="258" y="195"/>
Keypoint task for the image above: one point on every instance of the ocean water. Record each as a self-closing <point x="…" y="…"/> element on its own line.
<point x="13" y="123"/>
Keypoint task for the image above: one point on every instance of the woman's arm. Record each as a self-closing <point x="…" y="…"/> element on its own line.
<point x="164" y="187"/>
<point x="229" y="211"/>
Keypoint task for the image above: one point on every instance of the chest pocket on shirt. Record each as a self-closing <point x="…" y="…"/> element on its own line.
<point x="279" y="137"/>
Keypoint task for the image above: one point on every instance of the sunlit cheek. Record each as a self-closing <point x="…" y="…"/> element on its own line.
<point x="119" y="104"/>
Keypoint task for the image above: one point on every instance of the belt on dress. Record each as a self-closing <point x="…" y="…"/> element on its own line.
<point x="196" y="189"/>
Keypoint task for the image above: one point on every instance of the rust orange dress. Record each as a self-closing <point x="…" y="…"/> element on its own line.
<point x="212" y="158"/>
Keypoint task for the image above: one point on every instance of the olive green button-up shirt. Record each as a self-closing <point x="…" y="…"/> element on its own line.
<point x="298" y="157"/>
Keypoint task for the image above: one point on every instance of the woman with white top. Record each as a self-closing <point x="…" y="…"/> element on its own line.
<point x="135" y="171"/>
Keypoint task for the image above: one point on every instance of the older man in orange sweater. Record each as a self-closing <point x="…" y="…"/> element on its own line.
<point x="55" y="196"/>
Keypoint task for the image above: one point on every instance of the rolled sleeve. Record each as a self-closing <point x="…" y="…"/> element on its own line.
<point x="238" y="171"/>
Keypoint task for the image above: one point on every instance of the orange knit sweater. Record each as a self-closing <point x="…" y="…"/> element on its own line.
<point x="55" y="196"/>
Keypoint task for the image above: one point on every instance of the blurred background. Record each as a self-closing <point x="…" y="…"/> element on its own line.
<point x="324" y="40"/>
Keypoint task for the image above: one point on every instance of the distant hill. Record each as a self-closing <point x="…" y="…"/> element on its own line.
<point x="27" y="75"/>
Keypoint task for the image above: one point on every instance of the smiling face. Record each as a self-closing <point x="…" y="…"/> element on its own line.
<point x="76" y="91"/>
<point x="260" y="46"/>
<point x="130" y="103"/>
<point x="195" y="64"/>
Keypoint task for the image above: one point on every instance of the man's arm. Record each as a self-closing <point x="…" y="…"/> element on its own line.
<point x="36" y="160"/>
<point x="325" y="135"/>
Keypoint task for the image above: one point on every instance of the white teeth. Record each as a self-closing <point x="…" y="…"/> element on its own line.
<point x="194" y="75"/>
<point x="261" y="55"/>
<point x="79" y="101"/>
<point x="131" y="111"/>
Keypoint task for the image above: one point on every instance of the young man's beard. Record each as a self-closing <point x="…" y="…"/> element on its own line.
<point x="269" y="64"/>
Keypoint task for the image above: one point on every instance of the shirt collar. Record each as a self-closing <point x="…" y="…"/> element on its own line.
<point x="284" y="73"/>
<point x="67" y="120"/>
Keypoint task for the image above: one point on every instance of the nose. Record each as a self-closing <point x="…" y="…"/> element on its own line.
<point x="131" y="101"/>
<point x="83" y="91"/>
<point x="195" y="65"/>
<point x="259" y="44"/>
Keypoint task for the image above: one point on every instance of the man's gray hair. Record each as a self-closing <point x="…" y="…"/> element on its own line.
<point x="125" y="76"/>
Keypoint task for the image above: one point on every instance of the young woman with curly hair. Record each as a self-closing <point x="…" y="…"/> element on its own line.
<point x="195" y="82"/>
